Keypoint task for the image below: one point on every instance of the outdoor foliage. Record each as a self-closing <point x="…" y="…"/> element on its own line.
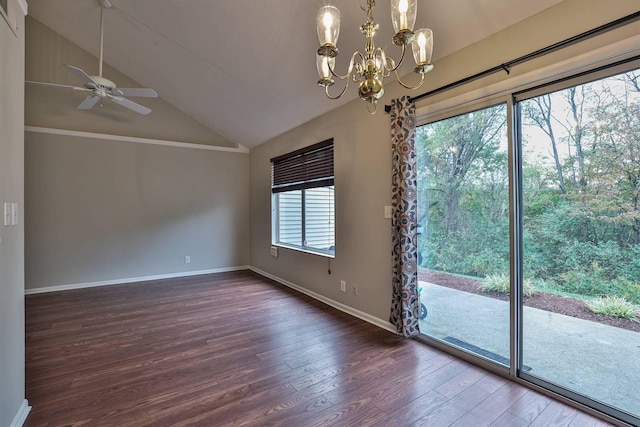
<point x="613" y="306"/>
<point x="500" y="283"/>
<point x="581" y="190"/>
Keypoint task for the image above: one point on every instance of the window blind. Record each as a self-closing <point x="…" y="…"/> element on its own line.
<point x="309" y="167"/>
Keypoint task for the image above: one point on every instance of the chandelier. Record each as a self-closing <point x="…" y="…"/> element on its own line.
<point x="369" y="69"/>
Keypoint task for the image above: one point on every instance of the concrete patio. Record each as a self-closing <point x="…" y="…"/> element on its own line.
<point x="596" y="360"/>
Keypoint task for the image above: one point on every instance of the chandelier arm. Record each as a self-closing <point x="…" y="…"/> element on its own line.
<point x="344" y="89"/>
<point x="406" y="85"/>
<point x="345" y="77"/>
<point x="364" y="9"/>
<point x="384" y="59"/>
<point x="349" y="69"/>
<point x="394" y="67"/>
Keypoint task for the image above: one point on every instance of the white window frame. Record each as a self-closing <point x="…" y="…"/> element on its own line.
<point x="313" y="247"/>
<point x="304" y="247"/>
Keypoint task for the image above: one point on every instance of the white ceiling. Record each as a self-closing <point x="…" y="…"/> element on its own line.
<point x="246" y="68"/>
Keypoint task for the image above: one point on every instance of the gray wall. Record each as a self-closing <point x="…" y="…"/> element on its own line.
<point x="363" y="156"/>
<point x="12" y="392"/>
<point x="102" y="210"/>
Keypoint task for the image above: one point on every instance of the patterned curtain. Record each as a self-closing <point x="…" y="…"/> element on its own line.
<point x="405" y="305"/>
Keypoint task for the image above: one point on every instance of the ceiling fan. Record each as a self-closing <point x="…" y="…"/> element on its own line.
<point x="101" y="87"/>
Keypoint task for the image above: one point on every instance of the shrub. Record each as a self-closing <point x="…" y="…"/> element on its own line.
<point x="500" y="283"/>
<point x="630" y="289"/>
<point x="542" y="285"/>
<point x="593" y="282"/>
<point x="587" y="281"/>
<point x="614" y="306"/>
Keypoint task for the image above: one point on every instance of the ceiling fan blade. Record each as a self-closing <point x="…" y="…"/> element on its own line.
<point x="130" y="105"/>
<point x="89" y="102"/>
<point x="136" y="91"/>
<point x="58" y="85"/>
<point x="82" y="75"/>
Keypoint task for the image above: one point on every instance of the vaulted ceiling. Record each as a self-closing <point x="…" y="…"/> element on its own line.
<point x="246" y="68"/>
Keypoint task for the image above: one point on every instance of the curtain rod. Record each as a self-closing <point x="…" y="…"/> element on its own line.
<point x="545" y="50"/>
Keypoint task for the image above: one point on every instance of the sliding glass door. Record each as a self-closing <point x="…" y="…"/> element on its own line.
<point x="464" y="219"/>
<point x="552" y="272"/>
<point x="581" y="231"/>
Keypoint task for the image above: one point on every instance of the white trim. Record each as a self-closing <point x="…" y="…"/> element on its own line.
<point x="301" y="249"/>
<point x="626" y="48"/>
<point x="123" y="280"/>
<point x="21" y="415"/>
<point x="335" y="304"/>
<point x="23" y="5"/>
<point x="240" y="149"/>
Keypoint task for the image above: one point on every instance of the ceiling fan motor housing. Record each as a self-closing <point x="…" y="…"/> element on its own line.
<point x="101" y="84"/>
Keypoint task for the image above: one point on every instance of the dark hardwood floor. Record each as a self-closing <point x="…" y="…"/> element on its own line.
<point x="239" y="349"/>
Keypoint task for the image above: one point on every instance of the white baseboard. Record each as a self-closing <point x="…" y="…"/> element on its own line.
<point x="21" y="415"/>
<point x="333" y="303"/>
<point x="130" y="280"/>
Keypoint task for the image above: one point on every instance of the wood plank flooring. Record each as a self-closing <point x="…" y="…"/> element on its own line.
<point x="239" y="349"/>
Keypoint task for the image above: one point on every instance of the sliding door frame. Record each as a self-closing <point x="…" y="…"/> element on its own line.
<point x="513" y="95"/>
<point x="515" y="234"/>
<point x="588" y="76"/>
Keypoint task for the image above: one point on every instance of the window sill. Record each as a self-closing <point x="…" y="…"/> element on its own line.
<point x="305" y="250"/>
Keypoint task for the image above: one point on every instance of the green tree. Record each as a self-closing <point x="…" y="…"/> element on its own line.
<point x="539" y="111"/>
<point x="462" y="176"/>
<point x="614" y="166"/>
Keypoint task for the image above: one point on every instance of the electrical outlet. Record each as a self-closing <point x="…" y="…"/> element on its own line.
<point x="343" y="286"/>
<point x="187" y="259"/>
<point x="354" y="289"/>
<point x="274" y="251"/>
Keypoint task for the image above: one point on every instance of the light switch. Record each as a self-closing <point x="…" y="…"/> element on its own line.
<point x="7" y="213"/>
<point x="14" y="214"/>
<point x="387" y="212"/>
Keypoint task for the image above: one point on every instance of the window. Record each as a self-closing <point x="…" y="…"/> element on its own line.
<point x="303" y="199"/>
